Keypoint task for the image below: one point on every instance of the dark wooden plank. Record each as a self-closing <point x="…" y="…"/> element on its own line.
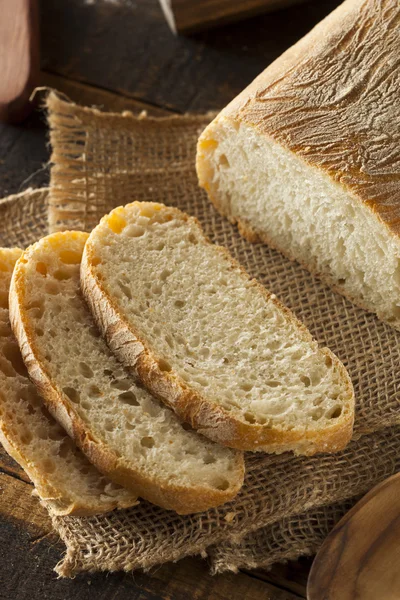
<point x="291" y="576"/>
<point x="360" y="557"/>
<point x="29" y="551"/>
<point x="130" y="49"/>
<point x="23" y="155"/>
<point x="88" y="95"/>
<point x="187" y="16"/>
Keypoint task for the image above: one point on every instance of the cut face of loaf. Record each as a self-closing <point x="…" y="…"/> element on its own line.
<point x="210" y="341"/>
<point x="66" y="482"/>
<point x="307" y="158"/>
<point x="123" y="430"/>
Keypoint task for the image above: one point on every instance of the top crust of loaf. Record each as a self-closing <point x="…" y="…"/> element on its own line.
<point x="210" y="419"/>
<point x="334" y="100"/>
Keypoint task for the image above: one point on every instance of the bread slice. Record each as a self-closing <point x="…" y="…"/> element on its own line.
<point x="65" y="481"/>
<point x="208" y="340"/>
<point x="307" y="157"/>
<point x="124" y="431"/>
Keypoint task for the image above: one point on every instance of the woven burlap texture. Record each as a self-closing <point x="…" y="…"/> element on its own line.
<point x="282" y="541"/>
<point x="102" y="160"/>
<point x="149" y="535"/>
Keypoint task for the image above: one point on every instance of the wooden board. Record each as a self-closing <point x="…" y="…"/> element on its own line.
<point x="130" y="50"/>
<point x="360" y="557"/>
<point x="187" y="16"/>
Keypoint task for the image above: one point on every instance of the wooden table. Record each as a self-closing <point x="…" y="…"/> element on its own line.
<point x="125" y="57"/>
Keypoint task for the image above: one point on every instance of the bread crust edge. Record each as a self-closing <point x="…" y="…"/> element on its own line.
<point x="210" y="420"/>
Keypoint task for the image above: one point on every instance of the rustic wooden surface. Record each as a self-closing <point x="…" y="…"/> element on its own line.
<point x="360" y="557"/>
<point x="188" y="16"/>
<point x="121" y="58"/>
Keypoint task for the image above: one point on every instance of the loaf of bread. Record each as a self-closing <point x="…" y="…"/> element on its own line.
<point x="307" y="158"/>
<point x="124" y="431"/>
<point x="65" y="481"/>
<point x="208" y="340"/>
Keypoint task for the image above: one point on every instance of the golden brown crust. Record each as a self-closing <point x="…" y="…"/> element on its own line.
<point x="334" y="100"/>
<point x="57" y="500"/>
<point x="211" y="420"/>
<point x="174" y="497"/>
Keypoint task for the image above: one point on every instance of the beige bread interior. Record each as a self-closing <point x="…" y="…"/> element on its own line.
<point x="210" y="341"/>
<point x="124" y="431"/>
<point x="277" y="198"/>
<point x="65" y="481"/>
<point x="306" y="158"/>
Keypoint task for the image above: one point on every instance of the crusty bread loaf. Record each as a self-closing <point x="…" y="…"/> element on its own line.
<point x="124" y="431"/>
<point x="307" y="158"/>
<point x="65" y="481"/>
<point x="208" y="340"/>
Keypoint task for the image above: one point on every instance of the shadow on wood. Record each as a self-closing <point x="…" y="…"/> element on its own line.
<point x="360" y="558"/>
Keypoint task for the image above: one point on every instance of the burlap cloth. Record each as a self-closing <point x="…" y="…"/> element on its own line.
<point x="288" y="504"/>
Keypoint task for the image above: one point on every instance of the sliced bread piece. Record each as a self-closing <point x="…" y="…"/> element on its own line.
<point x="307" y="158"/>
<point x="65" y="481"/>
<point x="208" y="340"/>
<point x="124" y="431"/>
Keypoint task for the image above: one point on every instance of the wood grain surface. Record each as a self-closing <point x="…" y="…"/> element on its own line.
<point x="131" y="50"/>
<point x="186" y="16"/>
<point x="19" y="57"/>
<point x="360" y="558"/>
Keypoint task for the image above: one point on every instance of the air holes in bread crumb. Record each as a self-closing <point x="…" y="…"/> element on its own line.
<point x="129" y="398"/>
<point x="3" y="300"/>
<point x="246" y="387"/>
<point x="334" y="413"/>
<point x="179" y="303"/>
<point x="209" y="459"/>
<point x="13" y="355"/>
<point x="272" y="383"/>
<point x="109" y="425"/>
<point x="41" y="268"/>
<point x="223" y="161"/>
<point x="26" y="438"/>
<point x="250" y="418"/>
<point x="72" y="394"/>
<point x="48" y="466"/>
<point x="37" y="308"/>
<point x="39" y="331"/>
<point x="62" y="274"/>
<point x="192" y="238"/>
<point x="134" y="231"/>
<point x="85" y="370"/>
<point x="125" y="290"/>
<point x="328" y="361"/>
<point x="52" y="288"/>
<point x="121" y="384"/>
<point x="69" y="257"/>
<point x="187" y="427"/>
<point x="165" y="274"/>
<point x="94" y="392"/>
<point x="164" y="365"/>
<point x="222" y="484"/>
<point x="305" y="380"/>
<point x="147" y="442"/>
